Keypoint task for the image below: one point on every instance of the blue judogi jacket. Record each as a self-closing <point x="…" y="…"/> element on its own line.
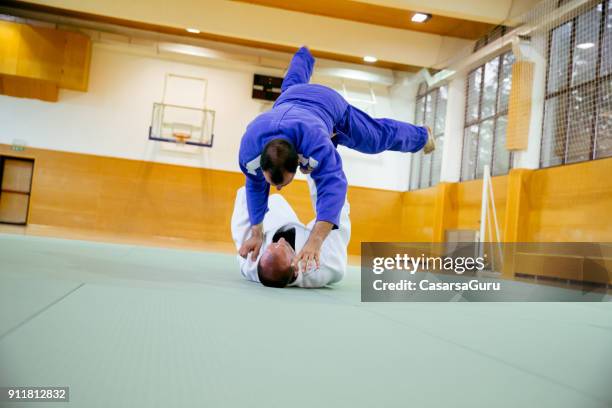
<point x="304" y="115"/>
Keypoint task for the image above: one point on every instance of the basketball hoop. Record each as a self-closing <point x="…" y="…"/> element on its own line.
<point x="182" y="125"/>
<point x="181" y="137"/>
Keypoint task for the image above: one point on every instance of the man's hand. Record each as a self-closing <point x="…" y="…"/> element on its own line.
<point x="309" y="255"/>
<point x="306" y="169"/>
<point x="253" y="244"/>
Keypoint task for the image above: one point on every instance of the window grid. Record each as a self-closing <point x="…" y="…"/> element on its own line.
<point x="423" y="169"/>
<point x="498" y="114"/>
<point x="563" y="93"/>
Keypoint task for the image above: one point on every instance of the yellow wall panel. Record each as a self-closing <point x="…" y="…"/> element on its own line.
<point x="551" y="265"/>
<point x="418" y="210"/>
<point x="36" y="61"/>
<point x="10" y="35"/>
<point x="76" y="62"/>
<point x="41" y="53"/>
<point x="136" y="198"/>
<point x="571" y="203"/>
<point x="13" y="207"/>
<point x="466" y="202"/>
<point x="517" y="214"/>
<point x="21" y="87"/>
<point x="17" y="175"/>
<point x="519" y="105"/>
<point x="130" y="197"/>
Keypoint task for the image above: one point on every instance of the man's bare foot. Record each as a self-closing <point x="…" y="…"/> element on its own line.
<point x="430" y="146"/>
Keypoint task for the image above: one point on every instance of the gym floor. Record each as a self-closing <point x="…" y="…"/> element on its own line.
<point x="130" y="326"/>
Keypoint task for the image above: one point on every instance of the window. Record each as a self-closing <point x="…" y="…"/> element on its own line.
<point x="578" y="107"/>
<point x="486" y="116"/>
<point x="430" y="111"/>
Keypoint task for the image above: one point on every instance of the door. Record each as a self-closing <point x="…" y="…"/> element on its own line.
<point x="15" y="187"/>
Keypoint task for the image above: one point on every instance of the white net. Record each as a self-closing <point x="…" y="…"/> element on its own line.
<point x="486" y="117"/>
<point x="571" y="41"/>
<point x="577" y="107"/>
<point x="430" y="111"/>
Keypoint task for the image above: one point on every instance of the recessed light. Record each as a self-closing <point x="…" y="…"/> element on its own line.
<point x="193" y="30"/>
<point x="369" y="58"/>
<point x="420" y="17"/>
<point x="585" y="46"/>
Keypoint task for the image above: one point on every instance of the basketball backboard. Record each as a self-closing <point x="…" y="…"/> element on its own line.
<point x="182" y="117"/>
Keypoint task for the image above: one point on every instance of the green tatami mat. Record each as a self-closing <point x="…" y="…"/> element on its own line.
<point x="128" y="326"/>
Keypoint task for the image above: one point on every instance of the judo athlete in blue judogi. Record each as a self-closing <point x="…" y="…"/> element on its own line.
<point x="304" y="127"/>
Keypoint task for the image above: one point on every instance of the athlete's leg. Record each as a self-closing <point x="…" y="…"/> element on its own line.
<point x="300" y="69"/>
<point x="368" y="135"/>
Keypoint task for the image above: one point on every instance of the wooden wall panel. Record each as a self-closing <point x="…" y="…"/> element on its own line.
<point x="36" y="61"/>
<point x="376" y="215"/>
<point x="9" y="38"/>
<point x="500" y="191"/>
<point x="13" y="207"/>
<point x="598" y="269"/>
<point x="76" y="62"/>
<point x="17" y="175"/>
<point x="550" y="265"/>
<point x="129" y="197"/>
<point x="516" y="220"/>
<point x="571" y="203"/>
<point x="519" y="105"/>
<point x="21" y="87"/>
<point x="135" y="198"/>
<point x="444" y="217"/>
<point x="41" y="53"/>
<point x="466" y="202"/>
<point x="298" y="195"/>
<point x="418" y="209"/>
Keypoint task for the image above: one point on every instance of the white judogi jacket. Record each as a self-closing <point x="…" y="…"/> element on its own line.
<point x="333" y="256"/>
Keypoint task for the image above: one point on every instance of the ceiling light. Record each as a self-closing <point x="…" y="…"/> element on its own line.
<point x="369" y="58"/>
<point x="193" y="30"/>
<point x="585" y="46"/>
<point x="420" y="17"/>
<point x="189" y="50"/>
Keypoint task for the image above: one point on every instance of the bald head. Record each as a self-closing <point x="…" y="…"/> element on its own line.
<point x="274" y="268"/>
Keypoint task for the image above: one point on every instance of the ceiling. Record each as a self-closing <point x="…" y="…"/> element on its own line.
<point x="381" y="15"/>
<point x="486" y="11"/>
<point x="343" y="30"/>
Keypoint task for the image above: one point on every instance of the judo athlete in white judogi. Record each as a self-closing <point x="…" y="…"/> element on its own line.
<point x="283" y="236"/>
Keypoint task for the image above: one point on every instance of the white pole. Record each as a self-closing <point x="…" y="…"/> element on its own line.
<point x="489" y="225"/>
<point x="501" y="256"/>
<point x="483" y="208"/>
